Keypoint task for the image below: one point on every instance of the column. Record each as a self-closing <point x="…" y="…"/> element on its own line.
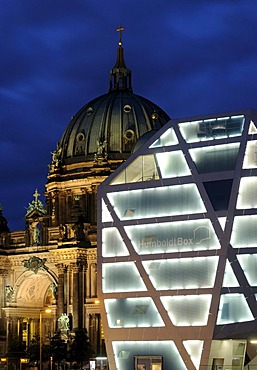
<point x="76" y="304"/>
<point x="60" y="301"/>
<point x="84" y="293"/>
<point x="20" y="329"/>
<point x="93" y="280"/>
<point x="8" y="330"/>
<point x="28" y="331"/>
<point x="3" y="275"/>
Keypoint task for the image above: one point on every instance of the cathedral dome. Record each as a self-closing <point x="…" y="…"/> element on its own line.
<point x="110" y="125"/>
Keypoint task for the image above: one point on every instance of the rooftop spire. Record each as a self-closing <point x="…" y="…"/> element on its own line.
<point x="120" y="29"/>
<point x="120" y="75"/>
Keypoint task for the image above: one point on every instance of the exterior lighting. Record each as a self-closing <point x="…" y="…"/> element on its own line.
<point x="46" y="310"/>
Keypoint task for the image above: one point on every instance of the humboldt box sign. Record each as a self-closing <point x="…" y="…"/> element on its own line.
<point x="200" y="235"/>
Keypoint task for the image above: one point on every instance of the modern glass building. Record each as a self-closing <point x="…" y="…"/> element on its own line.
<point x="177" y="258"/>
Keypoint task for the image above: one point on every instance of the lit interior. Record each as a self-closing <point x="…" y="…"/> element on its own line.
<point x="247" y="193"/>
<point x="115" y="278"/>
<point x="222" y="221"/>
<point x="216" y="158"/>
<point x="213" y="128"/>
<point x="152" y="202"/>
<point x="182" y="273"/>
<point x="166" y="139"/>
<point x="125" y="352"/>
<point x="233" y="308"/>
<point x="106" y="216"/>
<point x="132" y="312"/>
<point x="194" y="349"/>
<point x="172" y="164"/>
<point x="230" y="279"/>
<point x="244" y="231"/>
<point x="112" y="244"/>
<point x="248" y="263"/>
<point x="143" y="168"/>
<point x="252" y="128"/>
<point x="188" y="310"/>
<point x="250" y="158"/>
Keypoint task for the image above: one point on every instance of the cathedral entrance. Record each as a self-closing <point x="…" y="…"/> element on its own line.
<point x="25" y="308"/>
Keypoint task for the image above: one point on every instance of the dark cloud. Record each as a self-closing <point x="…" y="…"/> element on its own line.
<point x="188" y="57"/>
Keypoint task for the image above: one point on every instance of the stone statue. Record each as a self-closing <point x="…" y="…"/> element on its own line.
<point x="9" y="293"/>
<point x="63" y="322"/>
<point x="63" y="233"/>
<point x="56" y="157"/>
<point x="54" y="289"/>
<point x="36" y="236"/>
<point x="101" y="150"/>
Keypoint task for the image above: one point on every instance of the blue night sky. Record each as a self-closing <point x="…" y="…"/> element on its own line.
<point x="189" y="57"/>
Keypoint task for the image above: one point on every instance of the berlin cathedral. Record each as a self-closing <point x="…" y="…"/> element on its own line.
<point x="53" y="261"/>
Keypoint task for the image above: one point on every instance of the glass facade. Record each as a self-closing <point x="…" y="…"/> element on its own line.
<point x="178" y="255"/>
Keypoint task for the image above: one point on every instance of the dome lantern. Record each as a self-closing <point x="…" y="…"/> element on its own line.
<point x="120" y="75"/>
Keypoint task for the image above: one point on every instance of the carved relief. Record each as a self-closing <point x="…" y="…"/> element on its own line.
<point x="35" y="264"/>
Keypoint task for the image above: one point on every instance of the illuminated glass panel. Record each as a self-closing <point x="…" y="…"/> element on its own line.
<point x="244" y="232"/>
<point x="143" y="168"/>
<point x="182" y="273"/>
<point x="132" y="312"/>
<point x="213" y="128"/>
<point x="113" y="244"/>
<point x="125" y="352"/>
<point x="120" y="178"/>
<point x="194" y="349"/>
<point x="166" y="139"/>
<point x="188" y="310"/>
<point x="152" y="202"/>
<point x="121" y="277"/>
<point x="230" y="279"/>
<point x="168" y="237"/>
<point x="247" y="193"/>
<point x="172" y="164"/>
<point x="233" y="308"/>
<point x="221" y="127"/>
<point x="189" y="131"/>
<point x="106" y="216"/>
<point x="222" y="221"/>
<point x="250" y="158"/>
<point x="215" y="158"/>
<point x="252" y="128"/>
<point x="249" y="266"/>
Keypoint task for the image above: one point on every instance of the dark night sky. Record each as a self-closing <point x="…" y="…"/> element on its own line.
<point x="189" y="57"/>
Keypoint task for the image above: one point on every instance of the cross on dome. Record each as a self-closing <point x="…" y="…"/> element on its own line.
<point x="120" y="29"/>
<point x="36" y="195"/>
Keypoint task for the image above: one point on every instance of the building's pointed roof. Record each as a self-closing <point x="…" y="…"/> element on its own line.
<point x="120" y="76"/>
<point x="36" y="206"/>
